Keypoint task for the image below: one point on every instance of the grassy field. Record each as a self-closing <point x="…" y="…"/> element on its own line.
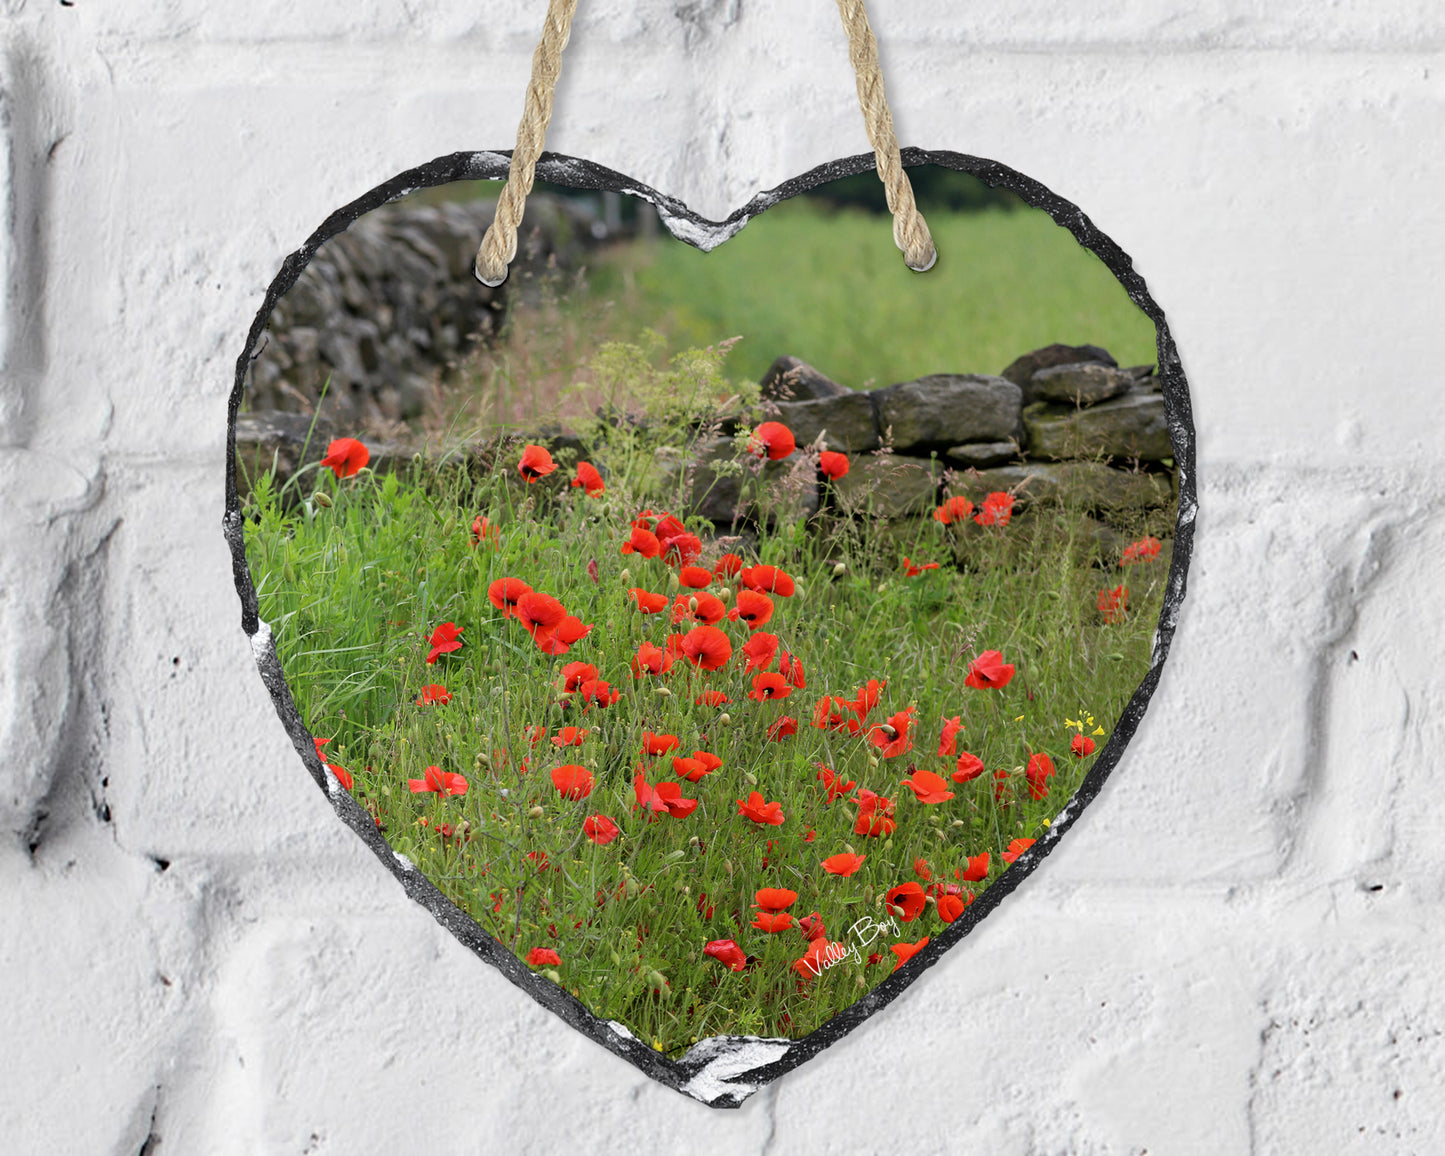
<point x="447" y="696"/>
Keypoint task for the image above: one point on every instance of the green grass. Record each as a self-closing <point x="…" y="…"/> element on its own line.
<point x="354" y="583"/>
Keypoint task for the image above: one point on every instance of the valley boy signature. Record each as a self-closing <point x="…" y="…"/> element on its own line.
<point x="861" y="934"/>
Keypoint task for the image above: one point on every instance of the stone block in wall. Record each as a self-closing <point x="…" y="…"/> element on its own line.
<point x="1021" y="370"/>
<point x="847" y="419"/>
<point x="889" y="484"/>
<point x="947" y="409"/>
<point x="273" y="440"/>
<point x="1132" y="426"/>
<point x="791" y="379"/>
<point x="981" y="455"/>
<point x="1081" y="384"/>
<point x="1093" y="486"/>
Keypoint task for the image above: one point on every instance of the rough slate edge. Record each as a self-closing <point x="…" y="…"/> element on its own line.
<point x="721" y="1071"/>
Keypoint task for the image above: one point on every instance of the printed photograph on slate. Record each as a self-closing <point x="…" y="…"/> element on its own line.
<point x="710" y="638"/>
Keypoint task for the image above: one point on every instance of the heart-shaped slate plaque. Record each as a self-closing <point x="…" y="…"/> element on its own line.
<point x="715" y="714"/>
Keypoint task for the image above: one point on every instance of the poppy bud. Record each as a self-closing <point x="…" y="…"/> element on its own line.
<point x="888" y="844"/>
<point x="724" y="719"/>
<point x="656" y="980"/>
<point x="724" y="594"/>
<point x="848" y="847"/>
<point x="673" y="856"/>
<point x="632" y="887"/>
<point x="288" y="571"/>
<point x="797" y="589"/>
<point x="752" y="779"/>
<point x="692" y="958"/>
<point x="536" y="813"/>
<point x="839" y="569"/>
<point x="693" y="841"/>
<point x="930" y="900"/>
<point x="888" y="730"/>
<point x="872" y="761"/>
<point x="616" y="960"/>
<point x="956" y="823"/>
<point x="942" y="838"/>
<point x="663" y="691"/>
<point x="322" y="498"/>
<point x="673" y="581"/>
<point x="551" y="974"/>
<point x="626" y="576"/>
<point x="692" y="605"/>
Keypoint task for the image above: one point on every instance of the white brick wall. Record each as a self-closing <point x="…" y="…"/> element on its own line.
<point x="1237" y="949"/>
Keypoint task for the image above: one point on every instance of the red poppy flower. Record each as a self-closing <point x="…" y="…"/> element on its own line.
<point x="432" y="693"/>
<point x="712" y="698"/>
<point x="1003" y="790"/>
<point x="976" y="870"/>
<point x="440" y="781"/>
<point x="775" y="898"/>
<point x="596" y="691"/>
<point x="948" y="739"/>
<point x="343" y="776"/>
<point x="950" y="907"/>
<point x="728" y="953"/>
<point x="573" y="781"/>
<point x="920" y="868"/>
<point x="681" y="548"/>
<point x="663" y="797"/>
<point x="535" y="734"/>
<point x="1114" y="604"/>
<point x="694" y="577"/>
<point x="1038" y="773"/>
<point x="569" y="737"/>
<point x="1082" y="746"/>
<point x="600" y="829"/>
<point x="843" y="863"/>
<point x="727" y="565"/>
<point x="759" y="811"/>
<point x="707" y="647"/>
<point x="828" y="713"/>
<point x="650" y="660"/>
<point x="345" y="457"/>
<point x="753" y="608"/>
<point x="700" y="607"/>
<point x="768" y="580"/>
<point x="484" y="531"/>
<point x="791" y="668"/>
<point x="892" y="738"/>
<point x="642" y="542"/>
<point x="536" y="463"/>
<point x="911" y="570"/>
<point x="655" y="745"/>
<point x="875" y="815"/>
<point x="772" y="921"/>
<point x="1144" y="550"/>
<point x="504" y="592"/>
<point x="833" y="465"/>
<point x="705" y="912"/>
<point x="906" y="951"/>
<point x="710" y="762"/>
<point x="784" y="728"/>
<point x="820" y="955"/>
<point x="444" y="640"/>
<point x="812" y="927"/>
<point x="559" y="639"/>
<point x="928" y="787"/>
<point x="834" y="783"/>
<point x="769" y="686"/>
<point x="906" y="901"/>
<point x="574" y="674"/>
<point x="590" y="479"/>
<point x="989" y="671"/>
<point x="997" y="510"/>
<point x="690" y="769"/>
<point x="537" y="611"/>
<point x="540" y="955"/>
<point x="955" y="509"/>
<point x="1017" y="848"/>
<point x="667" y="527"/>
<point x="969" y="768"/>
<point x="760" y="649"/>
<point x="773" y="439"/>
<point x="648" y="602"/>
<point x="866" y="698"/>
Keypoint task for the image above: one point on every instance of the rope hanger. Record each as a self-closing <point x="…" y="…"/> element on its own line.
<point x="499" y="244"/>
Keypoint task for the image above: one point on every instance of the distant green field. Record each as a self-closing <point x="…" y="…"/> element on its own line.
<point x="831" y="288"/>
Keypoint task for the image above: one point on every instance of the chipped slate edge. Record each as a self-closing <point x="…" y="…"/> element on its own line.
<point x="721" y="1071"/>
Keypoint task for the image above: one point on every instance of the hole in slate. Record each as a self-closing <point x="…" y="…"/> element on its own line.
<point x="711" y="639"/>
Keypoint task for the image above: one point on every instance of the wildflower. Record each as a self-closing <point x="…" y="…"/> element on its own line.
<point x="791" y="667"/>
<point x="833" y="782"/>
<point x="955" y="509"/>
<point x="343" y="776"/>
<point x="536" y="463"/>
<point x="772" y="921"/>
<point x="345" y="457"/>
<point x="989" y="671"/>
<point x="663" y="797"/>
<point x="769" y="686"/>
<point x="950" y="907"/>
<point x="844" y="863"/>
<point x="784" y="728"/>
<point x="753" y="608"/>
<point x="712" y="698"/>
<point x="590" y="479"/>
<point x="921" y="869"/>
<point x="1038" y="773"/>
<point x="768" y="580"/>
<point x="875" y="815"/>
<point x="681" y="548"/>
<point x="573" y="781"/>
<point x="690" y="769"/>
<point x="905" y="901"/>
<point x="654" y="745"/>
<point x="772" y="439"/>
<point x="538" y="612"/>
<point x="759" y="811"/>
<point x="440" y="781"/>
<point x="642" y="542"/>
<point x="775" y="898"/>
<point x="650" y="659"/>
<point x="648" y="602"/>
<point x="694" y="577"/>
<point x="819" y="955"/>
<point x="701" y="607"/>
<point x="484" y="531"/>
<point x="432" y="693"/>
<point x="727" y="565"/>
<point x="540" y="955"/>
<point x="444" y="640"/>
<point x="707" y="647"/>
<point x="969" y="768"/>
<point x="976" y="870"/>
<point x="760" y="650"/>
<point x="535" y="734"/>
<point x="911" y="570"/>
<point x="1144" y="550"/>
<point x="812" y="927"/>
<point x="866" y="698"/>
<point x="706" y="913"/>
<point x="710" y="762"/>
<point x="892" y="737"/>
<point x="596" y="691"/>
<point x="997" y="510"/>
<point x="928" y="787"/>
<point x="833" y="465"/>
<point x="574" y="674"/>
<point x="600" y="829"/>
<point x="1017" y="848"/>
<point x="728" y="953"/>
<point x="906" y="951"/>
<point x="1114" y="604"/>
<point x="504" y="592"/>
<point x="948" y="739"/>
<point x="1082" y="746"/>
